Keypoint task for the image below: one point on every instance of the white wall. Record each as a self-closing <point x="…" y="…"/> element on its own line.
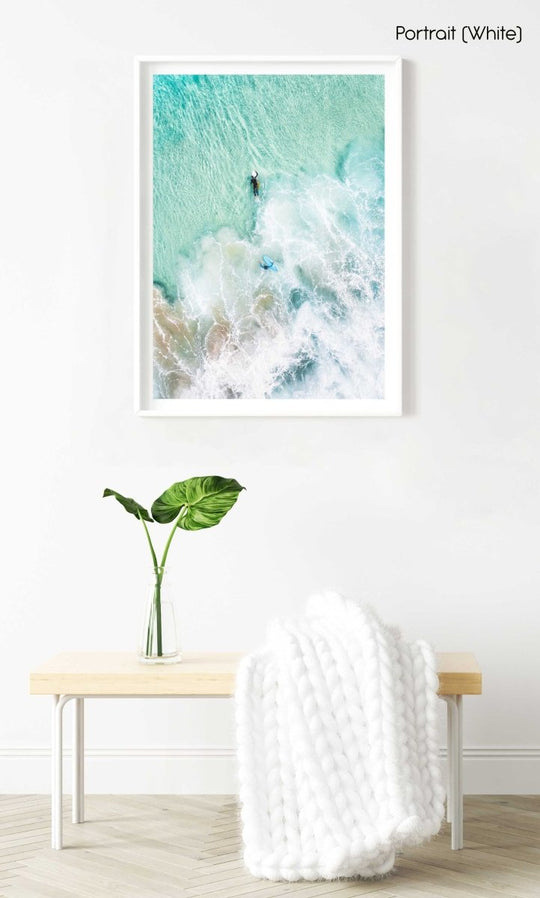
<point x="433" y="516"/>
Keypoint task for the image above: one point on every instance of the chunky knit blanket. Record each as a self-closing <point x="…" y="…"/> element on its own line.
<point x="338" y="745"/>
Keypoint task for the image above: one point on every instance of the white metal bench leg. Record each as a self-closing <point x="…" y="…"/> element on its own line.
<point x="56" y="759"/>
<point x="457" y="837"/>
<point x="455" y="767"/>
<point x="449" y="764"/>
<point x="59" y="701"/>
<point x="78" y="762"/>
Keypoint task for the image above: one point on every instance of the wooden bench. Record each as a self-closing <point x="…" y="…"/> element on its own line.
<point x="83" y="675"/>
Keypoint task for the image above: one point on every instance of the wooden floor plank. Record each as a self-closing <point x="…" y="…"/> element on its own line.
<point x="143" y="846"/>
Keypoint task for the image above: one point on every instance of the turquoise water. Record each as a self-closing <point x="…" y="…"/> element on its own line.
<point x="224" y="327"/>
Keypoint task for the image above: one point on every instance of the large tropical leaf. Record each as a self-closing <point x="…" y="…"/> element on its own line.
<point x="129" y="504"/>
<point x="204" y="501"/>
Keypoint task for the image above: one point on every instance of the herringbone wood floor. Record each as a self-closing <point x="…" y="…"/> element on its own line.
<point x="180" y="846"/>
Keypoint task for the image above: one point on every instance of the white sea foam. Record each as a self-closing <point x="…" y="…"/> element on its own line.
<point x="315" y="328"/>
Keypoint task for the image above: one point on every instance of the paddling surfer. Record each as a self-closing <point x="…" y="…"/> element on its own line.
<point x="255" y="182"/>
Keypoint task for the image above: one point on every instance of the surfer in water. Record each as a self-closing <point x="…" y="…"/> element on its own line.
<point x="268" y="264"/>
<point x="255" y="182"/>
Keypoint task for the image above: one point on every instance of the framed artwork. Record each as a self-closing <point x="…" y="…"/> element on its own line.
<point x="268" y="236"/>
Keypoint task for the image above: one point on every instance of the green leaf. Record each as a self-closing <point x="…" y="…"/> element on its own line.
<point x="203" y="501"/>
<point x="129" y="504"/>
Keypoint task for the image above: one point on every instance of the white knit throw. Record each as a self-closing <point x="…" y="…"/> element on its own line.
<point x="338" y="745"/>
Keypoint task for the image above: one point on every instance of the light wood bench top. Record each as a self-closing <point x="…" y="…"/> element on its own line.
<point x="199" y="673"/>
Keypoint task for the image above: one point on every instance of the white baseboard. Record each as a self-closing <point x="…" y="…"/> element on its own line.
<point x="156" y="770"/>
<point x="501" y="771"/>
<point x="186" y="770"/>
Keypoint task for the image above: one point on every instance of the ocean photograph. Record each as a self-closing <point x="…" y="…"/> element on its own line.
<point x="268" y="237"/>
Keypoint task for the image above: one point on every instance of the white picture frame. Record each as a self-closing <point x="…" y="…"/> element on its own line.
<point x="390" y="403"/>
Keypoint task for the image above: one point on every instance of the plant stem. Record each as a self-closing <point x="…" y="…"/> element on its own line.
<point x="149" y="633"/>
<point x="159" y="570"/>
<point x="168" y="543"/>
<point x="156" y="601"/>
<point x="154" y="557"/>
<point x="159" y="579"/>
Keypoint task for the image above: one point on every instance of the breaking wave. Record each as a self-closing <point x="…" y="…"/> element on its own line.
<point x="313" y="329"/>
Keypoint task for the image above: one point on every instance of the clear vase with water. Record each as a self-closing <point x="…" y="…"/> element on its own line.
<point x="159" y="637"/>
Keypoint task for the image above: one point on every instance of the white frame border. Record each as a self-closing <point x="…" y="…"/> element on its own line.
<point x="146" y="405"/>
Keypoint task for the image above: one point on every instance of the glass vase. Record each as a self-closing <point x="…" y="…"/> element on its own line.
<point x="159" y="638"/>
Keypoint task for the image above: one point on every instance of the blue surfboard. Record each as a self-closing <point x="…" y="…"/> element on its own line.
<point x="268" y="264"/>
